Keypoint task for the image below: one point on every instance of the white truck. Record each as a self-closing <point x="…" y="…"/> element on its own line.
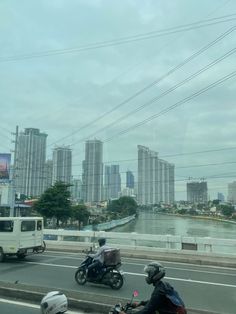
<point x="21" y="236"/>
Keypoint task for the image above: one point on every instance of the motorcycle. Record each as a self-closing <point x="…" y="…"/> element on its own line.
<point x="127" y="308"/>
<point x="109" y="275"/>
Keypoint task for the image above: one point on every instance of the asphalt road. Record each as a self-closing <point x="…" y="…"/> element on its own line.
<point x="202" y="287"/>
<point x="9" y="306"/>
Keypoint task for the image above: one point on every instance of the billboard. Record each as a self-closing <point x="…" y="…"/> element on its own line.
<point x="5" y="162"/>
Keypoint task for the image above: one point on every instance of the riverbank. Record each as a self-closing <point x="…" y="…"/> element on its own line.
<point x="149" y="222"/>
<point x="109" y="225"/>
<point x="200" y="217"/>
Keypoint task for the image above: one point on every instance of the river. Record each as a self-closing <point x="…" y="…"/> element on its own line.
<point x="156" y="223"/>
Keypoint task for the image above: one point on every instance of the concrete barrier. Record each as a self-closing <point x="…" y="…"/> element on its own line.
<point x="134" y="240"/>
<point x="185" y="256"/>
<point x="86" y="302"/>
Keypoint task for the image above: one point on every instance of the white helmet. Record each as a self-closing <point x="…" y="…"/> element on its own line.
<point x="54" y="302"/>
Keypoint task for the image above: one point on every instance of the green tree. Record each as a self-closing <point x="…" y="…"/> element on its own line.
<point x="55" y="202"/>
<point x="125" y="205"/>
<point x="216" y="202"/>
<point x="227" y="210"/>
<point x="81" y="214"/>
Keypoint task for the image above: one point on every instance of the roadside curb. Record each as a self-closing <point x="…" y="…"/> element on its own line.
<point x="85" y="302"/>
<point x="31" y="296"/>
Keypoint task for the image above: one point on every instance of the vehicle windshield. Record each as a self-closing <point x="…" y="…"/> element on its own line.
<point x="118" y="121"/>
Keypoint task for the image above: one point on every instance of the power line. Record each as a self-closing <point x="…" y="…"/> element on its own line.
<point x="177" y="104"/>
<point x="173" y="88"/>
<point x="135" y="171"/>
<point x="154" y="83"/>
<point x="124" y="40"/>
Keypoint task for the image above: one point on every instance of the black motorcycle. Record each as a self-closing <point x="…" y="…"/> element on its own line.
<point x="127" y="308"/>
<point x="108" y="275"/>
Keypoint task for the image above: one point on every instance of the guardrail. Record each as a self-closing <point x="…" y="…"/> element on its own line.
<point x="137" y="241"/>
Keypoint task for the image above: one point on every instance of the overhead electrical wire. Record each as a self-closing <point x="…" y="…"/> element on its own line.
<point x="154" y="83"/>
<point x="175" y="105"/>
<point x="155" y="99"/>
<point x="124" y="40"/>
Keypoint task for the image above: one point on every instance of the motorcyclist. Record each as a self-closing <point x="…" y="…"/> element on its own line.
<point x="164" y="298"/>
<point x="54" y="302"/>
<point x="98" y="257"/>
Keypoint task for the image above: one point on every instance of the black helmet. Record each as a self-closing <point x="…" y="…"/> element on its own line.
<point x="155" y="271"/>
<point x="102" y="241"/>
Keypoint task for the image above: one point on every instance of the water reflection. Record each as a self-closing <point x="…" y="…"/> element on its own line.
<point x="155" y="223"/>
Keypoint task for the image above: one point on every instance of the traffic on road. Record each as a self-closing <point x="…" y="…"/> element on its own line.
<point x="198" y="285"/>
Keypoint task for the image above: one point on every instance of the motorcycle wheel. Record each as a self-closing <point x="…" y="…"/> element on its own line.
<point x="80" y="276"/>
<point x="116" y="281"/>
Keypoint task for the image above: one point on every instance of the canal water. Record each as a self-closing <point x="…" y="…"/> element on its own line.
<point x="156" y="223"/>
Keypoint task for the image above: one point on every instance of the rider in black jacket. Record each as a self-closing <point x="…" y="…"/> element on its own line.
<point x="164" y="298"/>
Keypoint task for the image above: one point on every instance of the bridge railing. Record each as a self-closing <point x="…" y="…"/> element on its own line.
<point x="143" y="241"/>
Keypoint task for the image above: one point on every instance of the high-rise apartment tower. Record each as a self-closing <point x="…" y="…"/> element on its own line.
<point x="197" y="192"/>
<point x="93" y="171"/>
<point x="30" y="160"/>
<point x="156" y="178"/>
<point x="62" y="165"/>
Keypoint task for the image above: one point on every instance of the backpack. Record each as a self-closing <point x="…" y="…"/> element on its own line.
<point x="176" y="300"/>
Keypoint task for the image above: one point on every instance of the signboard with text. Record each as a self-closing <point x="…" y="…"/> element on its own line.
<point x="5" y="162"/>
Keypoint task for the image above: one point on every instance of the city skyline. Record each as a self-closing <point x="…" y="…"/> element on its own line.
<point x="48" y="171"/>
<point x="163" y="78"/>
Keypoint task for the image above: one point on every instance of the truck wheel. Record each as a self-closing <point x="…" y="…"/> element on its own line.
<point x="21" y="256"/>
<point x="2" y="255"/>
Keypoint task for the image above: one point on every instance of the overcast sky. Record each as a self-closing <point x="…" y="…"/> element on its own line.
<point x="85" y="69"/>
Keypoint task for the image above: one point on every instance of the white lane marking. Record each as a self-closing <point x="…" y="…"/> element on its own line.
<point x="34" y="306"/>
<point x="174" y="268"/>
<point x="194" y="270"/>
<point x="52" y="265"/>
<point x="143" y="275"/>
<point x="181" y="264"/>
<point x="189" y="280"/>
<point x="144" y="263"/>
<point x="201" y="271"/>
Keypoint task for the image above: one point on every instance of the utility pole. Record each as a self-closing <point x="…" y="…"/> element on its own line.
<point x="13" y="187"/>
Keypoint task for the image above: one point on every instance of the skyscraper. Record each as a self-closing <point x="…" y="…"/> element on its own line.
<point x="30" y="160"/>
<point x="107" y="183"/>
<point x="197" y="192"/>
<point x="155" y="178"/>
<point x="129" y="179"/>
<point x="48" y="174"/>
<point x="93" y="171"/>
<point x="115" y="181"/>
<point x="62" y="165"/>
<point x="112" y="182"/>
<point x="76" y="190"/>
<point x="220" y="197"/>
<point x="232" y="192"/>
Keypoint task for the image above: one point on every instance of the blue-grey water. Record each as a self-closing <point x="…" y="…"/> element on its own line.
<point x="156" y="223"/>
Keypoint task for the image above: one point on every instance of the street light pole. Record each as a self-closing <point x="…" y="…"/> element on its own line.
<point x="12" y="182"/>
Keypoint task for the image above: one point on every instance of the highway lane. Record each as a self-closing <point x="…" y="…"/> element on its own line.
<point x="202" y="287"/>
